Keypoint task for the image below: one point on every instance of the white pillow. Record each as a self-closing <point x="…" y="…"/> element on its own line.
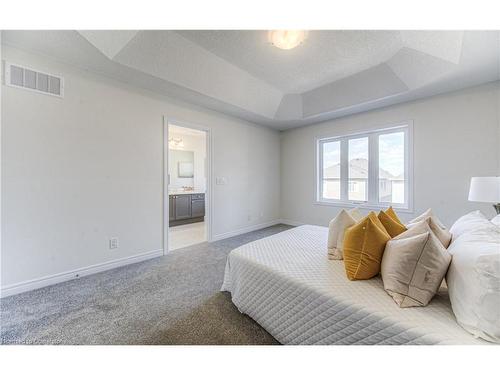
<point x="474" y="281"/>
<point x="336" y="230"/>
<point x="467" y="223"/>
<point x="496" y="220"/>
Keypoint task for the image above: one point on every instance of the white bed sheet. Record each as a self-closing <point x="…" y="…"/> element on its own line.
<point x="286" y="283"/>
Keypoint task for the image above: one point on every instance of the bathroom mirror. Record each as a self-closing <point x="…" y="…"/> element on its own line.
<point x="183" y="161"/>
<point x="186" y="169"/>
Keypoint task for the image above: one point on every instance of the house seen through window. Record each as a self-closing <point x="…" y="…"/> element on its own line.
<point x="370" y="168"/>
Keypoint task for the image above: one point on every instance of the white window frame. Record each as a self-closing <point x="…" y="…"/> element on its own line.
<point x="373" y="185"/>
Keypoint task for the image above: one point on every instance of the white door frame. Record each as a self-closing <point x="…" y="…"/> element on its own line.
<point x="208" y="193"/>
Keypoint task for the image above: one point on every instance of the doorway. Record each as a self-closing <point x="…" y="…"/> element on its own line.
<point x="186" y="185"/>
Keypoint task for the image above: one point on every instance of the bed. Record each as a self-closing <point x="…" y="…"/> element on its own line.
<point x="286" y="283"/>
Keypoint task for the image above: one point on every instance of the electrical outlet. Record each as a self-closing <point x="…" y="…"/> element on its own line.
<point x="113" y="243"/>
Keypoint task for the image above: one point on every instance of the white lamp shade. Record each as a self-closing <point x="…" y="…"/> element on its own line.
<point x="485" y="189"/>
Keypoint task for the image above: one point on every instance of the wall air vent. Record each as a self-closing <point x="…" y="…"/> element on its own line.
<point x="30" y="79"/>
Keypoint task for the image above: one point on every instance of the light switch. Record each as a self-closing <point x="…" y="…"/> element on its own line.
<point x="221" y="181"/>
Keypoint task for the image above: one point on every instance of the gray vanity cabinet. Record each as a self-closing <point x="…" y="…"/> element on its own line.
<point x="182" y="206"/>
<point x="186" y="208"/>
<point x="171" y="208"/>
<point x="197" y="205"/>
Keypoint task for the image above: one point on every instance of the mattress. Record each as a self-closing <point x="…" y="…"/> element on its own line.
<point x="286" y="283"/>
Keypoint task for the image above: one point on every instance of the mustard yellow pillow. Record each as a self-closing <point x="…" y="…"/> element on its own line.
<point x="393" y="226"/>
<point x="364" y="244"/>
<point x="390" y="211"/>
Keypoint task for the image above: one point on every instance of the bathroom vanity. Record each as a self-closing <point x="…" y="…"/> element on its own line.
<point x="186" y="208"/>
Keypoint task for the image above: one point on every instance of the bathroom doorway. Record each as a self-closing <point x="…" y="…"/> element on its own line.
<point x="186" y="190"/>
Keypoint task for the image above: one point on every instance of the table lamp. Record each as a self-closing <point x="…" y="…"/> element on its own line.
<point x="485" y="189"/>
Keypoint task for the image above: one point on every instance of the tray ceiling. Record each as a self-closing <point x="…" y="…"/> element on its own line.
<point x="332" y="74"/>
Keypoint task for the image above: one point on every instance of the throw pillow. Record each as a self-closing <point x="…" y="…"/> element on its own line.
<point x="425" y="215"/>
<point x="468" y="222"/>
<point x="435" y="224"/>
<point x="393" y="226"/>
<point x="336" y="230"/>
<point x="390" y="211"/>
<point x="414" y="265"/>
<point x="364" y="245"/>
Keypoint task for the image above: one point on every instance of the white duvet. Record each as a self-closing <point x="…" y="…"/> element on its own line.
<point x="286" y="283"/>
<point x="474" y="277"/>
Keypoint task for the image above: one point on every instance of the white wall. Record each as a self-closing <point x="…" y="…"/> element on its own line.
<point x="455" y="138"/>
<point x="78" y="170"/>
<point x="1" y="153"/>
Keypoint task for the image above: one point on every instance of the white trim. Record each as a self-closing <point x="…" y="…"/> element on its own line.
<point x="291" y="222"/>
<point x="2" y="75"/>
<point x="244" y="230"/>
<point x="210" y="181"/>
<point x="372" y="203"/>
<point x="41" y="282"/>
<point x="363" y="205"/>
<point x="165" y="197"/>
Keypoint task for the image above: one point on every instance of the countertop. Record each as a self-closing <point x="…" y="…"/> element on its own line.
<point x="182" y="192"/>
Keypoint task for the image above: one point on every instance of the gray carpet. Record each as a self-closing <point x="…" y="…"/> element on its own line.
<point x="173" y="299"/>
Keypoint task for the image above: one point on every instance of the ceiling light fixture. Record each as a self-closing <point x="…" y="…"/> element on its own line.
<point x="175" y="143"/>
<point x="287" y="39"/>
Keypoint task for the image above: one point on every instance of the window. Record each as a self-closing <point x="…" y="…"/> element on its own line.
<point x="372" y="169"/>
<point x="331" y="170"/>
<point x="391" y="167"/>
<point x="358" y="169"/>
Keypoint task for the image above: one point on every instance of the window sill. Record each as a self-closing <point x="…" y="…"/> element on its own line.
<point x="362" y="205"/>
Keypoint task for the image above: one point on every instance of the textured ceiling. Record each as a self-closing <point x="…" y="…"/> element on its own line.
<point x="168" y="56"/>
<point x="332" y="74"/>
<point x="324" y="57"/>
<point x="110" y="42"/>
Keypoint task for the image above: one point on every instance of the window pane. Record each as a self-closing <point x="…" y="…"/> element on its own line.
<point x="331" y="170"/>
<point x="391" y="173"/>
<point x="358" y="169"/>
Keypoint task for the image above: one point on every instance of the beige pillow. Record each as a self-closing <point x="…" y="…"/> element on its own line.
<point x="437" y="228"/>
<point x="336" y="230"/>
<point x="414" y="265"/>
<point x="356" y="214"/>
<point x="425" y="215"/>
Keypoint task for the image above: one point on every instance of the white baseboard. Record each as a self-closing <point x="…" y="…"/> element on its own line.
<point x="291" y="222"/>
<point x="26" y="286"/>
<point x="218" y="237"/>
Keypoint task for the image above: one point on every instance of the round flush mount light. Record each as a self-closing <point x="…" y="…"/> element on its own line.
<point x="287" y="39"/>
